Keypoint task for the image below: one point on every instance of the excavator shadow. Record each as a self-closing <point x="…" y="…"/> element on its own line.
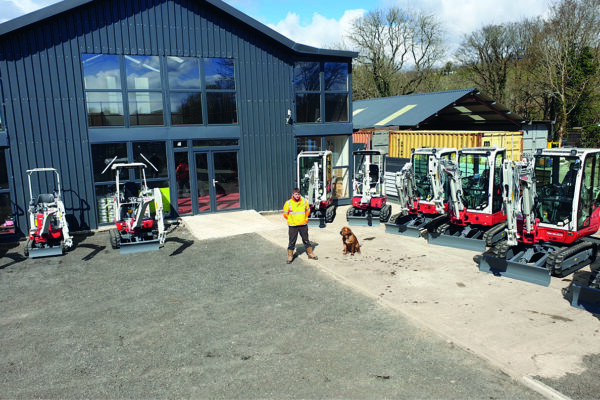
<point x="580" y="294"/>
<point x="12" y="251"/>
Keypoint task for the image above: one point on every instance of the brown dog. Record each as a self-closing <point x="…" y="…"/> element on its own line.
<point x="350" y="241"/>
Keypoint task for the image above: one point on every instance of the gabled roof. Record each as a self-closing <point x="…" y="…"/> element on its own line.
<point x="66" y="5"/>
<point x="464" y="107"/>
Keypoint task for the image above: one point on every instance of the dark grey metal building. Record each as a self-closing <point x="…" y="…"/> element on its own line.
<point x="218" y="102"/>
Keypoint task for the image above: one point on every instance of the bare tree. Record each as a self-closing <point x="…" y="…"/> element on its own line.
<point x="489" y="53"/>
<point x="394" y="41"/>
<point x="571" y="34"/>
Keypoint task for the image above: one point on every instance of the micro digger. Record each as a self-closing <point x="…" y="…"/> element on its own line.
<point x="477" y="220"/>
<point x="315" y="181"/>
<point x="552" y="203"/>
<point x="369" y="202"/>
<point x="48" y="229"/>
<point x="137" y="227"/>
<point x="422" y="192"/>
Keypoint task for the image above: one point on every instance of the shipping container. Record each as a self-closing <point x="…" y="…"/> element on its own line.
<point x="402" y="142"/>
<point x="364" y="137"/>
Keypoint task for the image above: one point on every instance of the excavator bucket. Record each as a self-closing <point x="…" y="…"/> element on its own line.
<point x="38" y="252"/>
<point x="511" y="268"/>
<point x="367" y="220"/>
<point x="465" y="242"/>
<point x="586" y="298"/>
<point x="413" y="225"/>
<point x="139" y="246"/>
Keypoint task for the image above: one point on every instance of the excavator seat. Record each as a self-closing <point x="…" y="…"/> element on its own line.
<point x="374" y="174"/>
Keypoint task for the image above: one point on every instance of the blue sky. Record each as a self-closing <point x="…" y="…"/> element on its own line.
<point x="323" y="23"/>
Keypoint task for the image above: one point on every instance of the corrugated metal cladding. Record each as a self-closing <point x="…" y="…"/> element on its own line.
<point x="402" y="142"/>
<point x="43" y="92"/>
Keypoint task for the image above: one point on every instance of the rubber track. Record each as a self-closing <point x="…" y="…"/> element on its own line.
<point x="489" y="234"/>
<point x="556" y="258"/>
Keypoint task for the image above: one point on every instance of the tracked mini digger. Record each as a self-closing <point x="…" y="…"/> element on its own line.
<point x="48" y="228"/>
<point x="315" y="181"/>
<point x="552" y="204"/>
<point x="137" y="227"/>
<point x="422" y="188"/>
<point x="477" y="220"/>
<point x="369" y="202"/>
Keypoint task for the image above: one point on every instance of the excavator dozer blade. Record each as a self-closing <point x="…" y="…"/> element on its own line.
<point x="458" y="242"/>
<point x="363" y="221"/>
<point x="411" y="225"/>
<point x="317" y="222"/>
<point x="515" y="270"/>
<point x="138" y="247"/>
<point x="586" y="298"/>
<point x="45" y="252"/>
<point x="405" y="230"/>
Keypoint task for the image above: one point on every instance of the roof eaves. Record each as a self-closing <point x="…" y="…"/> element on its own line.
<point x="67" y="5"/>
<point x="39" y="15"/>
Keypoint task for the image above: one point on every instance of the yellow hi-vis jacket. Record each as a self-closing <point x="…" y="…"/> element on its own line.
<point x="296" y="212"/>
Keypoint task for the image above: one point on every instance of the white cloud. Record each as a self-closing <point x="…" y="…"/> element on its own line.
<point x="10" y="9"/>
<point x="321" y="32"/>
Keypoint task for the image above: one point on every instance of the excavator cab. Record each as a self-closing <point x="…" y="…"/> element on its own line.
<point x="476" y="219"/>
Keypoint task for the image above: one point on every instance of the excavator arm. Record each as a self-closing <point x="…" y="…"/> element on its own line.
<point x="518" y="195"/>
<point x="450" y="168"/>
<point x="436" y="177"/>
<point x="405" y="186"/>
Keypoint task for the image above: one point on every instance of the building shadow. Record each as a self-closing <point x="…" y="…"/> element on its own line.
<point x="12" y="251"/>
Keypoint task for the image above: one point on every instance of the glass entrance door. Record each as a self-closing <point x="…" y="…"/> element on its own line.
<point x="216" y="181"/>
<point x="226" y="180"/>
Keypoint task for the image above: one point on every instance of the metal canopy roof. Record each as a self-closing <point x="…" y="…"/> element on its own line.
<point x="453" y="109"/>
<point x="66" y="5"/>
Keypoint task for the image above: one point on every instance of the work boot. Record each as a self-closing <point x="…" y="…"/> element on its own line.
<point x="310" y="253"/>
<point x="290" y="256"/>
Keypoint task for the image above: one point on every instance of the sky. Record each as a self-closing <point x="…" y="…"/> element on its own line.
<point x="323" y="23"/>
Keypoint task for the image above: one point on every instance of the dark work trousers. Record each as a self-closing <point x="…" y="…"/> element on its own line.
<point x="293" y="234"/>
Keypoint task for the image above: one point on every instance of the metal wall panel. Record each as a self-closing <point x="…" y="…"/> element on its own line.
<point x="43" y="93"/>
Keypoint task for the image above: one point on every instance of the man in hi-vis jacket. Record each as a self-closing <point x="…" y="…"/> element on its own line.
<point x="296" y="211"/>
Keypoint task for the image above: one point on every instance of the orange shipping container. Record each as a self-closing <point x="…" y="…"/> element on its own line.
<point x="363" y="137"/>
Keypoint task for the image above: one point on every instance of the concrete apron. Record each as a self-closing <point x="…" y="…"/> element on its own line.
<point x="523" y="329"/>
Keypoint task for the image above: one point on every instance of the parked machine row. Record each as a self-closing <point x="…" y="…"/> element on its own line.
<point x="137" y="210"/>
<point x="535" y="217"/>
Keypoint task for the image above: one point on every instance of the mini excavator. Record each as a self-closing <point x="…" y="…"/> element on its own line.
<point x="315" y="180"/>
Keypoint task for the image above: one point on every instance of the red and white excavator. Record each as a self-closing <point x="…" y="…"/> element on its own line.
<point x="369" y="201"/>
<point x="48" y="229"/>
<point x="137" y="227"/>
<point x="475" y="204"/>
<point x="422" y="192"/>
<point x="552" y="202"/>
<point x="315" y="181"/>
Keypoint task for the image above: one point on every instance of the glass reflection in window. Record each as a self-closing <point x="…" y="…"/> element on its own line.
<point x="102" y="155"/>
<point x="336" y="107"/>
<point x="101" y="71"/>
<point x="156" y="153"/>
<point x="308" y="107"/>
<point x="186" y="108"/>
<point x="143" y="72"/>
<point x="145" y="108"/>
<point x="105" y="108"/>
<point x="184" y="72"/>
<point x="336" y="76"/>
<point x="306" y="76"/>
<point x="219" y="73"/>
<point x="221" y="108"/>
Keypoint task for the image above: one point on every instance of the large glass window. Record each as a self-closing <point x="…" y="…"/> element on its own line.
<point x="191" y="82"/>
<point x="315" y="98"/>
<point x="7" y="225"/>
<point x="102" y="82"/>
<point x="102" y="155"/>
<point x="185" y="87"/>
<point x="145" y="90"/>
<point x="219" y="76"/>
<point x="307" y="82"/>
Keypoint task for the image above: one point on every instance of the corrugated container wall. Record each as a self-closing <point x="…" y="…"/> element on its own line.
<point x="364" y="137"/>
<point x="402" y="142"/>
